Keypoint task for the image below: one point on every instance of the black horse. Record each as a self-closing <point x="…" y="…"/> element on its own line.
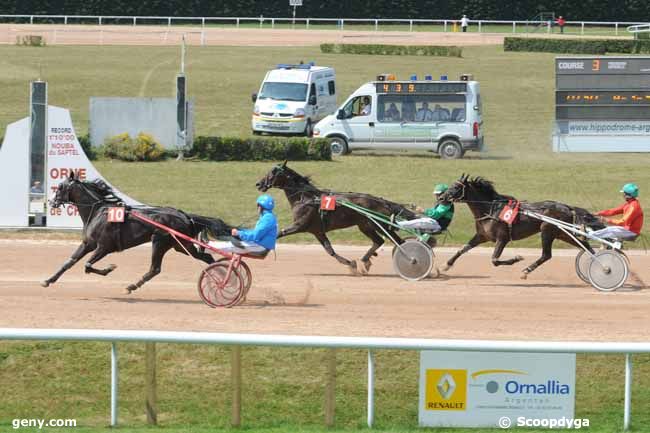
<point x="93" y="199"/>
<point x="305" y="198"/>
<point x="486" y="204"/>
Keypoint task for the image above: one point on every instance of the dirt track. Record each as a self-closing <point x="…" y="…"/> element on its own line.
<point x="305" y="292"/>
<point x="161" y="35"/>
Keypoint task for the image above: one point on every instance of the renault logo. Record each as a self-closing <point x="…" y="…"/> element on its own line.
<point x="446" y="386"/>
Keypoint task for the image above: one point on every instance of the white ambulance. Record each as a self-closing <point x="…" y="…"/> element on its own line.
<point x="293" y="98"/>
<point x="442" y="116"/>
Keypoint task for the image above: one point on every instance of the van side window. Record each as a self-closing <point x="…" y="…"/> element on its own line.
<point x="421" y="108"/>
<point x="359" y="106"/>
<point x="332" y="87"/>
<point x="312" y="90"/>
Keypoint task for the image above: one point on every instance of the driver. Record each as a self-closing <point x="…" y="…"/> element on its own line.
<point x="437" y="218"/>
<point x="259" y="240"/>
<point x="627" y="227"/>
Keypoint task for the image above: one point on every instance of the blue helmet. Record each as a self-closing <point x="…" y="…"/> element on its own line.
<point x="266" y="202"/>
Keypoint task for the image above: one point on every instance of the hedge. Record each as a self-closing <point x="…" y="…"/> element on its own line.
<point x="144" y="147"/>
<point x="577" y="46"/>
<point x="261" y="149"/>
<point x="392" y="50"/>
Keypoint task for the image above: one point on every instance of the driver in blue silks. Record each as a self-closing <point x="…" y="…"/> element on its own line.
<point x="259" y="240"/>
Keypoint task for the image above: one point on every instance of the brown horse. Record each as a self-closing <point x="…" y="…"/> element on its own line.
<point x="486" y="204"/>
<point x="305" y="198"/>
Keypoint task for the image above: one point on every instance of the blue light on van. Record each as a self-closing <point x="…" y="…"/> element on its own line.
<point x="428" y="78"/>
<point x="443" y="78"/>
<point x="414" y="77"/>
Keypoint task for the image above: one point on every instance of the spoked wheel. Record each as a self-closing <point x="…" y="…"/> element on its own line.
<point x="583" y="260"/>
<point x="413" y="260"/>
<point x="246" y="275"/>
<point x="608" y="270"/>
<point x="218" y="288"/>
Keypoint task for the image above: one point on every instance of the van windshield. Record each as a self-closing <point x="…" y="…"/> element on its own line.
<point x="284" y="91"/>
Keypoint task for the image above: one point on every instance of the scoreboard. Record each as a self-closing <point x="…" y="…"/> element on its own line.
<point x="602" y="104"/>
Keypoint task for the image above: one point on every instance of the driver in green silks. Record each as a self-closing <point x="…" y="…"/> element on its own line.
<point x="436" y="218"/>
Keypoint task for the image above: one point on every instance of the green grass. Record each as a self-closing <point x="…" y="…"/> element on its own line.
<point x="517" y="90"/>
<point x="283" y="389"/>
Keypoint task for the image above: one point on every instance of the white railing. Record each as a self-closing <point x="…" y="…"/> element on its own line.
<point x="340" y="23"/>
<point x="115" y="336"/>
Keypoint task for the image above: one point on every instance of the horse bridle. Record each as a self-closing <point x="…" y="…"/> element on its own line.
<point x="92" y="206"/>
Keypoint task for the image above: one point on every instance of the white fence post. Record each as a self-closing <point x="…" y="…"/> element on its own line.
<point x="114" y="384"/>
<point x="237" y="22"/>
<point x="65" y="20"/>
<point x="410" y="25"/>
<point x="479" y="27"/>
<point x="514" y="27"/>
<point x="616" y="29"/>
<point x="202" y="22"/>
<point x="627" y="408"/>
<point x="134" y="20"/>
<point x="307" y="24"/>
<point x="445" y="27"/>
<point x="582" y="29"/>
<point x="371" y="388"/>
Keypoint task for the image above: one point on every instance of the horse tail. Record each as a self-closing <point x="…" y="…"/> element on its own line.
<point x="217" y="227"/>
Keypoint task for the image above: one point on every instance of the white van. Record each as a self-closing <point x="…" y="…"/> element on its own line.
<point x="293" y="98"/>
<point x="441" y="116"/>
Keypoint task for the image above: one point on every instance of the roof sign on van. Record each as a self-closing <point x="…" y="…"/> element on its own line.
<point x="433" y="87"/>
<point x="300" y="66"/>
<point x="443" y="78"/>
<point x="414" y="77"/>
<point x="428" y="78"/>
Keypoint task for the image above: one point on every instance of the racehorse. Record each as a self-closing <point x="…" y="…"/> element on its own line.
<point x="101" y="237"/>
<point x="305" y="198"/>
<point x="486" y="205"/>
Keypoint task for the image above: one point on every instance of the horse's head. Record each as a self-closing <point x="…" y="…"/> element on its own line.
<point x="281" y="177"/>
<point x="456" y="192"/>
<point x="66" y="192"/>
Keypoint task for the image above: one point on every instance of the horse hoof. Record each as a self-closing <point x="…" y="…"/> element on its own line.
<point x="111" y="268"/>
<point x="524" y="275"/>
<point x="519" y="258"/>
<point x="130" y="289"/>
<point x="435" y="273"/>
<point x="446" y="268"/>
<point x="45" y="283"/>
<point x="365" y="267"/>
<point x="353" y="267"/>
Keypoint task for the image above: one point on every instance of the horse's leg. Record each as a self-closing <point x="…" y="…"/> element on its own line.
<point x="325" y="242"/>
<point x="99" y="254"/>
<point x="182" y="245"/>
<point x="476" y="240"/>
<point x="498" y="250"/>
<point x="81" y="251"/>
<point x="300" y="225"/>
<point x="160" y="244"/>
<point x="377" y="241"/>
<point x="548" y="236"/>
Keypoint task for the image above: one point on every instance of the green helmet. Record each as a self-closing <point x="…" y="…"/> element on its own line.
<point x="630" y="189"/>
<point x="440" y="188"/>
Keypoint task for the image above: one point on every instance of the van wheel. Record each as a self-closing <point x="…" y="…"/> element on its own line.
<point x="450" y="149"/>
<point x="309" y="128"/>
<point x="339" y="146"/>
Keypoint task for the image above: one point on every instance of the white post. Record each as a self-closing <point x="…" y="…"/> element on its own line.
<point x="514" y="27"/>
<point x="100" y="21"/>
<point x="272" y="23"/>
<point x="479" y="26"/>
<point x="202" y="22"/>
<point x="616" y="28"/>
<point x="582" y="30"/>
<point x="169" y="21"/>
<point x="65" y="20"/>
<point x="371" y="388"/>
<point x="293" y="20"/>
<point x="237" y="22"/>
<point x="410" y="25"/>
<point x="376" y="25"/>
<point x="307" y="24"/>
<point x="114" y="385"/>
<point x="134" y="19"/>
<point x="445" y="27"/>
<point x="31" y="19"/>
<point x="548" y="26"/>
<point x="628" y="392"/>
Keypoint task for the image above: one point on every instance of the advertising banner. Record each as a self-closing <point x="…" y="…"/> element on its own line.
<point x="484" y="389"/>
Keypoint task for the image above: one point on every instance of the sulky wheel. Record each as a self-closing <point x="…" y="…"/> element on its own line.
<point x="219" y="288"/>
<point x="246" y="275"/>
<point x="583" y="260"/>
<point x="608" y="270"/>
<point x="413" y="260"/>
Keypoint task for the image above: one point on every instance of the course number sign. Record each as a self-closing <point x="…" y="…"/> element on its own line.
<point x="328" y="202"/>
<point x="116" y="215"/>
<point x="295" y="2"/>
